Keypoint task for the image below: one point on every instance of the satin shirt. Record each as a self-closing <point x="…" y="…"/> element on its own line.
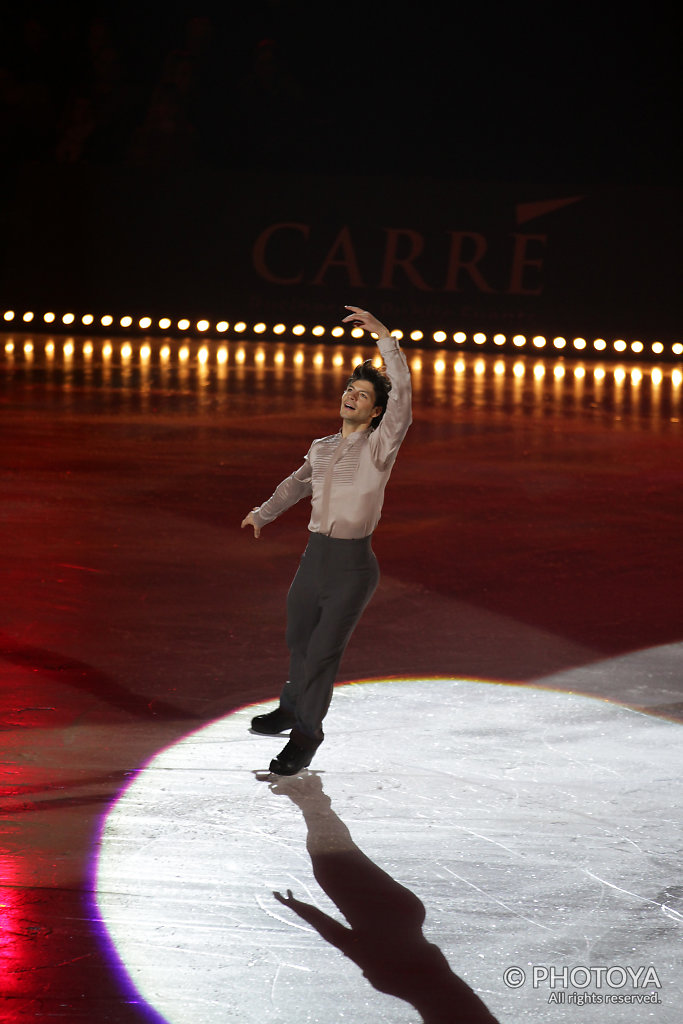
<point x="345" y="477"/>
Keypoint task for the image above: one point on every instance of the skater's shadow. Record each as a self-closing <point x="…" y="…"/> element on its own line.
<point x="384" y="934"/>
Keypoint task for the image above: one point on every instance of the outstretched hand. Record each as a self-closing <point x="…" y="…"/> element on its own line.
<point x="250" y="521"/>
<point x="285" y="901"/>
<point x="367" y="321"/>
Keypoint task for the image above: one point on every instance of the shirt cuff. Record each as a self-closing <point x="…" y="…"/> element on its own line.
<point x="387" y="345"/>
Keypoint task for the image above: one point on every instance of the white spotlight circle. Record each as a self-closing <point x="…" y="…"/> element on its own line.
<point x="501" y="825"/>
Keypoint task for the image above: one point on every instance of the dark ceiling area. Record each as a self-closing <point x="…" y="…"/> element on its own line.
<point x="492" y="92"/>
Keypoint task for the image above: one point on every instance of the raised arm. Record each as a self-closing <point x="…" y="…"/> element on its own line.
<point x="367" y="321"/>
<point x="387" y="438"/>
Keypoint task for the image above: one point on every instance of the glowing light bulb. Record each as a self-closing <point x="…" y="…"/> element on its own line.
<point x="479" y="338"/>
<point x="8" y="315"/>
<point x="279" y="329"/>
<point x="559" y="343"/>
<point x="240" y="326"/>
<point x="498" y="339"/>
<point x="298" y="329"/>
<point x="657" y="348"/>
<point x="49" y="318"/>
<point x="222" y="326"/>
<point x="107" y="320"/>
<point x="619" y="345"/>
<point x="539" y="341"/>
<point x="203" y="325"/>
<point x="164" y="323"/>
<point x="126" y="321"/>
<point x="459" y="337"/>
<point x="27" y="318"/>
<point x="600" y="344"/>
<point x="637" y="347"/>
<point x="397" y="334"/>
<point x="579" y="343"/>
<point x="259" y="328"/>
<point x="519" y="340"/>
<point x="318" y="331"/>
<point x="183" y="325"/>
<point x="337" y="332"/>
<point x="357" y="332"/>
<point x="87" y="319"/>
<point x="68" y="318"/>
<point x="439" y="336"/>
<point x="145" y="322"/>
<point x="414" y="336"/>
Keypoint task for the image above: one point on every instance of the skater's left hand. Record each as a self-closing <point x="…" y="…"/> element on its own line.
<point x="367" y="321"/>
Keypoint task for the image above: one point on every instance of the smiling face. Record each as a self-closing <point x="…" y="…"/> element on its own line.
<point x="358" y="407"/>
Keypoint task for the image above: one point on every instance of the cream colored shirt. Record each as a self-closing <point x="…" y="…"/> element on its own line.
<point x="346" y="476"/>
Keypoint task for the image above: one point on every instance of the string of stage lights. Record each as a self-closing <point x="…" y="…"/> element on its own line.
<point x="243" y="354"/>
<point x="108" y="377"/>
<point x="184" y="327"/>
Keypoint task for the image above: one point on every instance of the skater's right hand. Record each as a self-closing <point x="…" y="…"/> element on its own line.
<point x="250" y="521"/>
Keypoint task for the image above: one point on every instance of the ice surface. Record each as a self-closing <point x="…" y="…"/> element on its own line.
<point x="448" y="830"/>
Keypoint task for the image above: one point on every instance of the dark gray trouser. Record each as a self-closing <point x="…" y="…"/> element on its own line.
<point x="334" y="583"/>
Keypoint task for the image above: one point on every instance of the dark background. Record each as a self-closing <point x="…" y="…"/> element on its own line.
<point x="485" y="92"/>
<point x="144" y="148"/>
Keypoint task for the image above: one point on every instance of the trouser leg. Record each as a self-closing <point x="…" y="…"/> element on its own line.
<point x="326" y="600"/>
<point x="303" y="612"/>
<point x="340" y="614"/>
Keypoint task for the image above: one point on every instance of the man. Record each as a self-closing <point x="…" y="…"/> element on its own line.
<point x="345" y="475"/>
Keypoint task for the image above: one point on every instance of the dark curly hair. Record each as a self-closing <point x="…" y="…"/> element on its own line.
<point x="380" y="382"/>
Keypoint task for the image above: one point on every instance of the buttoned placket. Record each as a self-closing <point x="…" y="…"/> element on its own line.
<point x="342" y="447"/>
